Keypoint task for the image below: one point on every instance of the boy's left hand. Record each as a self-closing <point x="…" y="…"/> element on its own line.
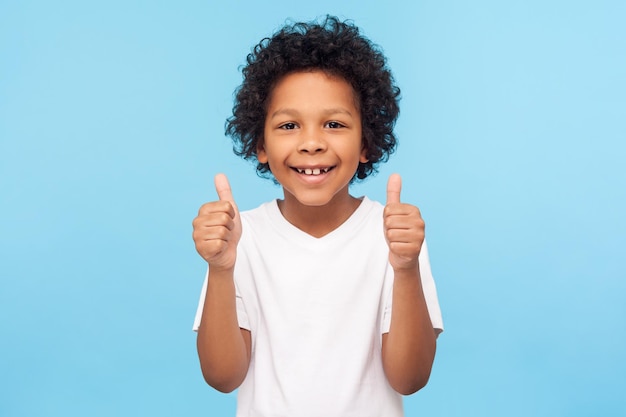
<point x="404" y="228"/>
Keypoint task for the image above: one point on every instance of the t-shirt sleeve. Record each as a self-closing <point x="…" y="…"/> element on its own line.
<point x="430" y="290"/>
<point x="198" y="318"/>
<point x="242" y="316"/>
<point x="430" y="294"/>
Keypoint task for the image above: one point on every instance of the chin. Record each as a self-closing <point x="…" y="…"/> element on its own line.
<point x="313" y="202"/>
<point x="312" y="199"/>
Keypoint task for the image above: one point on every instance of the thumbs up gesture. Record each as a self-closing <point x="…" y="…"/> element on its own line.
<point x="404" y="228"/>
<point x="217" y="228"/>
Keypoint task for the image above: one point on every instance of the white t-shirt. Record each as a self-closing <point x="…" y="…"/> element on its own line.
<point x="316" y="309"/>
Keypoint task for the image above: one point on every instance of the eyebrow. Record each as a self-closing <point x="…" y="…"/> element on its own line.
<point x="294" y="112"/>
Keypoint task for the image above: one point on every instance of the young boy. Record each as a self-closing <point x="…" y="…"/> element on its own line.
<point x="319" y="304"/>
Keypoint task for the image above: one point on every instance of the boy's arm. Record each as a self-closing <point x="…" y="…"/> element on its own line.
<point x="408" y="349"/>
<point x="223" y="348"/>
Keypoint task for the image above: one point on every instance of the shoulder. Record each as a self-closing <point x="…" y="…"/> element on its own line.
<point x="371" y="208"/>
<point x="372" y="204"/>
<point x="262" y="211"/>
<point x="259" y="219"/>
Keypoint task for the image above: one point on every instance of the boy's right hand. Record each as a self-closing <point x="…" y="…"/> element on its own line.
<point x="217" y="229"/>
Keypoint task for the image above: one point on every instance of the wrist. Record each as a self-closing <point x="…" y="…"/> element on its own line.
<point x="221" y="272"/>
<point x="407" y="271"/>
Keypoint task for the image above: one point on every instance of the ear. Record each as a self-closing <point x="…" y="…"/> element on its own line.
<point x="363" y="158"/>
<point x="261" y="155"/>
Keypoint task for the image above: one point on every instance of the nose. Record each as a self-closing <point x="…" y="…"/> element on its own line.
<point x="312" y="143"/>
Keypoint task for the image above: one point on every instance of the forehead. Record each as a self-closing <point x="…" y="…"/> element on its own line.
<point x="310" y="88"/>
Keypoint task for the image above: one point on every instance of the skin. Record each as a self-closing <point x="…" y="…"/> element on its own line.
<point x="313" y="123"/>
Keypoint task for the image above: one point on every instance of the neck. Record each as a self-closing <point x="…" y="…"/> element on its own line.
<point x="318" y="221"/>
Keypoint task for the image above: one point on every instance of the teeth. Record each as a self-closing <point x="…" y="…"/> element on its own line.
<point x="313" y="171"/>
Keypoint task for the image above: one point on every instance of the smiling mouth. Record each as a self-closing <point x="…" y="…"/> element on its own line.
<point x="313" y="171"/>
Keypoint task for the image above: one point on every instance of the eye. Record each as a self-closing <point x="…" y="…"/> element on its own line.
<point x="288" y="126"/>
<point x="334" y="125"/>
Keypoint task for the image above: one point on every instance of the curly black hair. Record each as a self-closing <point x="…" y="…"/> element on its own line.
<point x="336" y="48"/>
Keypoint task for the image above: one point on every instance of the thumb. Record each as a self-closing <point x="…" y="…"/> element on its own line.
<point x="222" y="186"/>
<point x="394" y="185"/>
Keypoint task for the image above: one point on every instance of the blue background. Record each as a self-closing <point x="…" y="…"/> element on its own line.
<point x="513" y="132"/>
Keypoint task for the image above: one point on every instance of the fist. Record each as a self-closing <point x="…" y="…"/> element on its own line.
<point x="217" y="228"/>
<point x="404" y="228"/>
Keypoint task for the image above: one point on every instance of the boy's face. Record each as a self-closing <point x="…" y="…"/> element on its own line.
<point x="313" y="141"/>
